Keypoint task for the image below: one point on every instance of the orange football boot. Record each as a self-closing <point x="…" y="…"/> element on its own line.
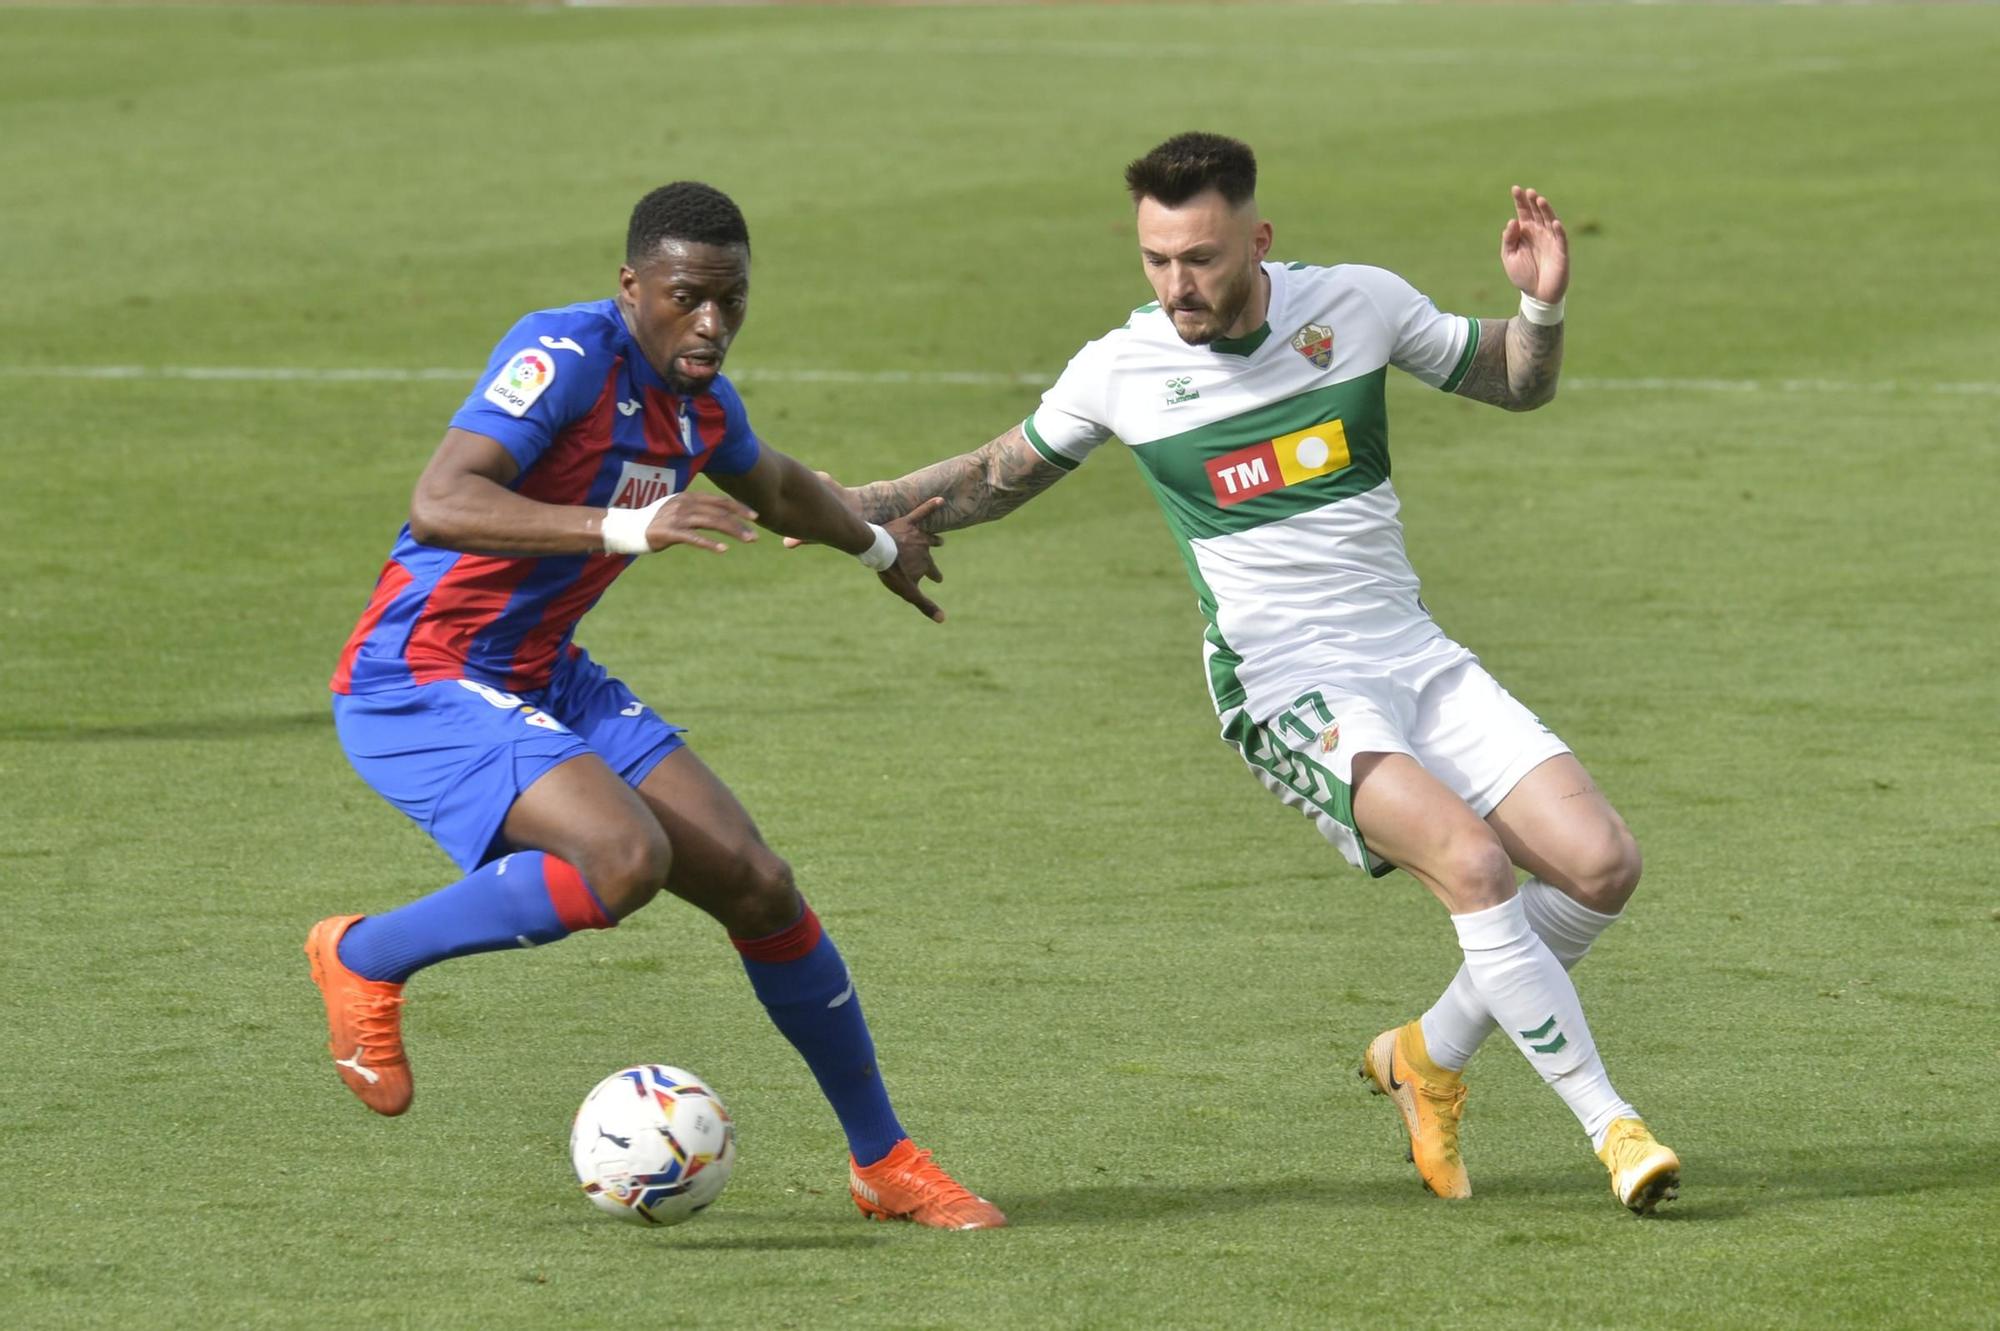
<point x="364" y="1022"/>
<point x="1430" y="1099"/>
<point x="907" y="1184"/>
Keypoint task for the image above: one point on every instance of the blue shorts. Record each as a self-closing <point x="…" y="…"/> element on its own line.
<point x="456" y="754"/>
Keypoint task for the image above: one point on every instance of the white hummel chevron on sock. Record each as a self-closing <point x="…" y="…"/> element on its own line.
<point x="1522" y="984"/>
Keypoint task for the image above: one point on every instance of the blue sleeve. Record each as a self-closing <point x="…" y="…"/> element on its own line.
<point x="540" y="380"/>
<point x="739" y="450"/>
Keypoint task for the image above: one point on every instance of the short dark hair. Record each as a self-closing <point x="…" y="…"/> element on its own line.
<point x="1187" y="164"/>
<point x="684" y="210"/>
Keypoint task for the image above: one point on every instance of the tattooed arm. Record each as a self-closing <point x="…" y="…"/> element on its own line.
<point x="1516" y="362"/>
<point x="1515" y="365"/>
<point x="989" y="482"/>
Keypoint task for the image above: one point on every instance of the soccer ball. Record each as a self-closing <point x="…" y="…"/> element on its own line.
<point x="652" y="1144"/>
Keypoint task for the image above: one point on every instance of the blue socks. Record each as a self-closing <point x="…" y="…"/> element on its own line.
<point x="532" y="897"/>
<point x="518" y="900"/>
<point x="804" y="985"/>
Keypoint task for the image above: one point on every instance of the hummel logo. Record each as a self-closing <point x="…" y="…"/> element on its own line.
<point x="1541" y="1032"/>
<point x="1179" y="390"/>
<point x="845" y="994"/>
<point x="370" y="1075"/>
<point x="629" y="407"/>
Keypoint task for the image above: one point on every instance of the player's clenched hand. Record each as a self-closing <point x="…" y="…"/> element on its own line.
<point x="1533" y="248"/>
<point x="913" y="559"/>
<point x="682" y="519"/>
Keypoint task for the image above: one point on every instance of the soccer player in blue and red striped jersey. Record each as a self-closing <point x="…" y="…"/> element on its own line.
<point x="464" y="700"/>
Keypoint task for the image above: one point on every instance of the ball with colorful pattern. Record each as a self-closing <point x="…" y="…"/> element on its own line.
<point x="652" y="1144"/>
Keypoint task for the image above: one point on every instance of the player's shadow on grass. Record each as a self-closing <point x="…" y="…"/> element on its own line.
<point x="1718" y="1188"/>
<point x="211" y="727"/>
<point x="1125" y="1203"/>
<point x="711" y="1242"/>
<point x="1723" y="1187"/>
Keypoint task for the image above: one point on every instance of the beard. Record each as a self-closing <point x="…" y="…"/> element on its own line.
<point x="1219" y="317"/>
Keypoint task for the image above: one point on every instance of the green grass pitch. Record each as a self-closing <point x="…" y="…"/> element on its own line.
<point x="1745" y="564"/>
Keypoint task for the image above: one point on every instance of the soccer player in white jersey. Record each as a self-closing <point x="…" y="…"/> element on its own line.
<point x="1251" y="393"/>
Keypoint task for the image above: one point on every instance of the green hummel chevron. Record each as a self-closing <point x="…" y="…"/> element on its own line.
<point x="1541" y="1032"/>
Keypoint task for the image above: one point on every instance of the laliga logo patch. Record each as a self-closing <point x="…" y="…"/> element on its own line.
<point x="520" y="381"/>
<point x="1315" y="343"/>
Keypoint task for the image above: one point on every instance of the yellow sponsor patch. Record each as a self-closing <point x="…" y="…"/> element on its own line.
<point x="1311" y="452"/>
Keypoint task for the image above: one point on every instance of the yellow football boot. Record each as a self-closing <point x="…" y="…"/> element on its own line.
<point x="1643" y="1172"/>
<point x="1430" y="1099"/>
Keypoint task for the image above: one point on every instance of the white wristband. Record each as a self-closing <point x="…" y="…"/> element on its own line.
<point x="1540" y="312"/>
<point x="880" y="556"/>
<point x="625" y="528"/>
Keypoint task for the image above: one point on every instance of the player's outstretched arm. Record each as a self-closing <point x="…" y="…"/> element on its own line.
<point x="1518" y="360"/>
<point x="462" y="502"/>
<point x="803" y="506"/>
<point x="989" y="482"/>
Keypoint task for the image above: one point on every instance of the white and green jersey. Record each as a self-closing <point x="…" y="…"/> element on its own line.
<point x="1269" y="455"/>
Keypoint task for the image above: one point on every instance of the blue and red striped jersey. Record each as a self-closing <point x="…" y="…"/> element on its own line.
<point x="570" y="396"/>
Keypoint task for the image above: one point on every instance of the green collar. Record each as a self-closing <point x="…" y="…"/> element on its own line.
<point x="1245" y="345"/>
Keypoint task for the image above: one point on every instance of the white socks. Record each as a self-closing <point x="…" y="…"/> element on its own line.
<point x="1518" y="980"/>
<point x="1458" y="1023"/>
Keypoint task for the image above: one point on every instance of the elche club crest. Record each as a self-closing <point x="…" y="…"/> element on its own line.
<point x="1315" y="343"/>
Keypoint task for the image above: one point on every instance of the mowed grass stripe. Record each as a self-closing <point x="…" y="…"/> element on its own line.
<point x="891" y="378"/>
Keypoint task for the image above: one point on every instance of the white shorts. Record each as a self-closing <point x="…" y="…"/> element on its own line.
<point x="1454" y="719"/>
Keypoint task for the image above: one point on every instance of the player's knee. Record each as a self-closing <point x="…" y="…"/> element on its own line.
<point x="763" y="897"/>
<point x="1609" y="874"/>
<point x="1476" y="874"/>
<point x="630" y="871"/>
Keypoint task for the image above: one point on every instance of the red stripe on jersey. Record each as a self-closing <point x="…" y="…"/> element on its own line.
<point x="463" y="604"/>
<point x="576" y="905"/>
<point x="536" y="655"/>
<point x="711" y="422"/>
<point x="479" y="588"/>
<point x="663" y="424"/>
<point x="388" y="587"/>
<point x="785" y="945"/>
<point x="564" y="473"/>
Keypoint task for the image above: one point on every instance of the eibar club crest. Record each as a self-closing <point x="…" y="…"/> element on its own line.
<point x="1315" y="343"/>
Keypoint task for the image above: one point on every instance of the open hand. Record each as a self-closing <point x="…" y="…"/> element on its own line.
<point x="682" y="518"/>
<point x="1533" y="248"/>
